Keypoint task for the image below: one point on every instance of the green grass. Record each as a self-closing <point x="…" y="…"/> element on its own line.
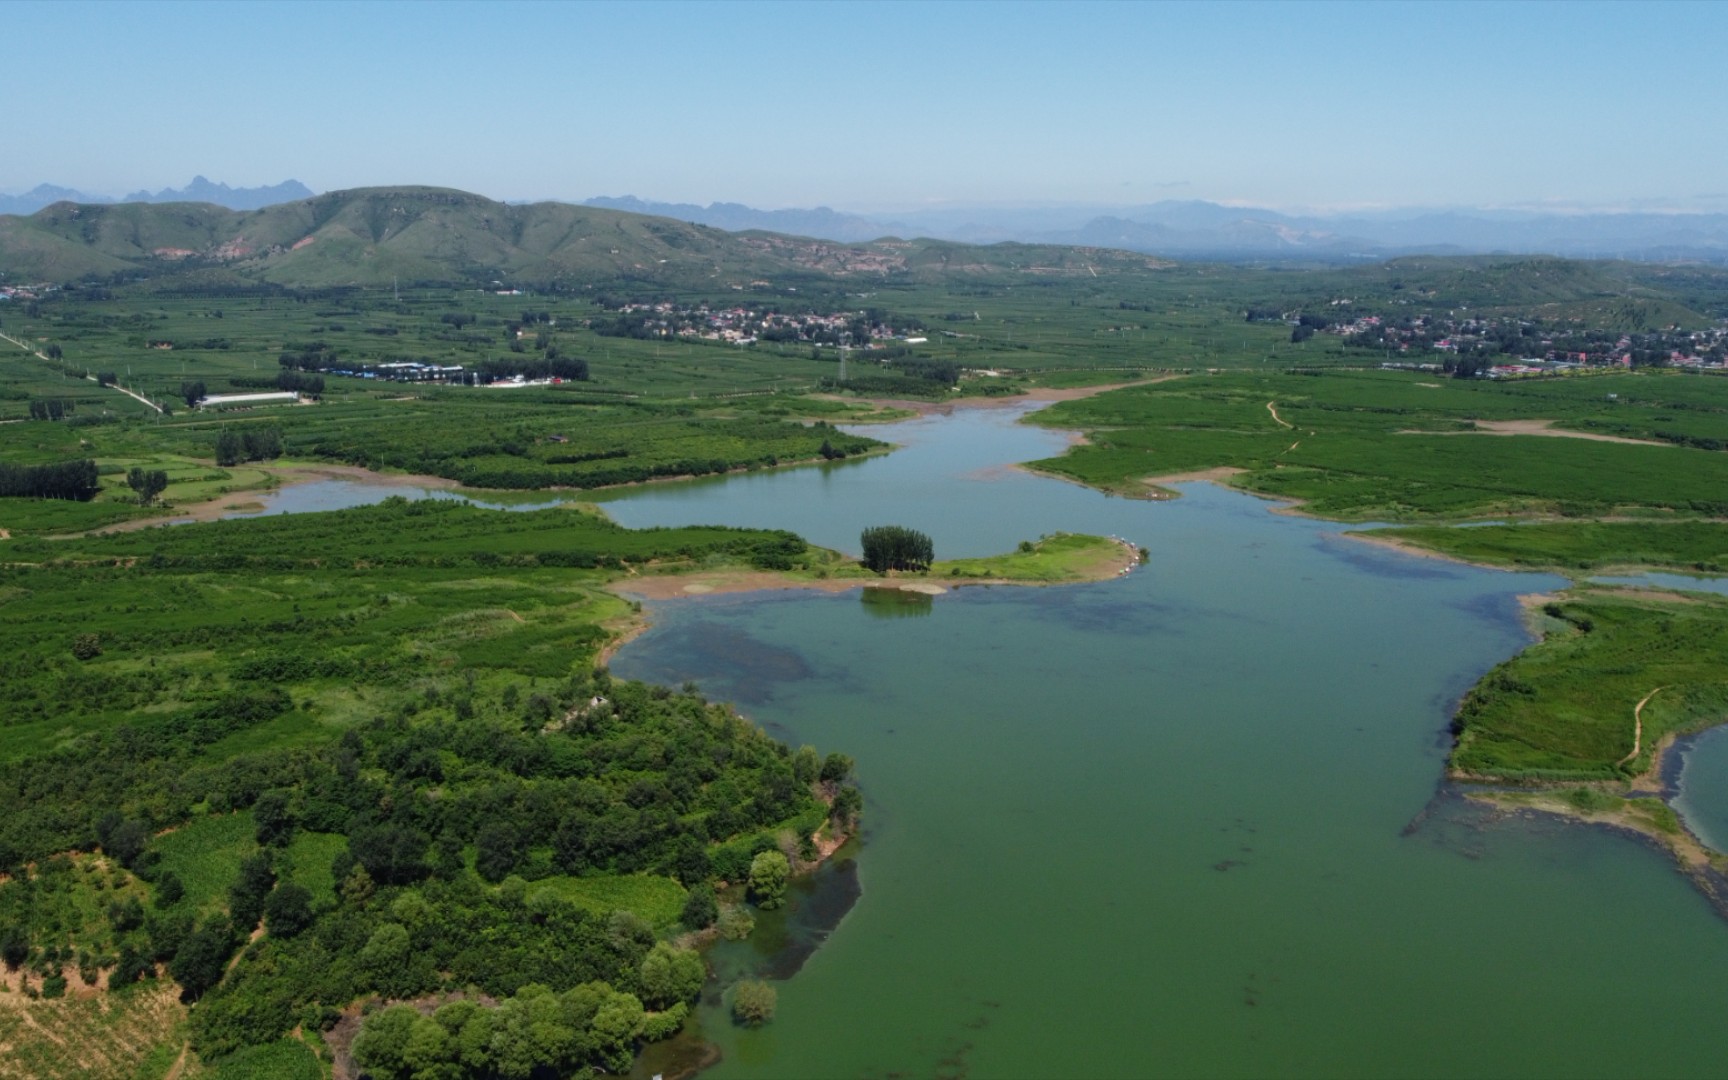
<point x="285" y="1059"/>
<point x="1371" y="445"/>
<point x="309" y="856"/>
<point x="1051" y="559"/>
<point x="658" y="899"/>
<point x="1579" y="545"/>
<point x="1564" y="708"/>
<point x="205" y="854"/>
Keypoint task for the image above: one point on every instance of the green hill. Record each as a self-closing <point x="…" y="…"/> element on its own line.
<point x="1623" y="296"/>
<point x="370" y="236"/>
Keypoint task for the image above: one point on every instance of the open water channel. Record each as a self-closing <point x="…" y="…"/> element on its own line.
<point x="1181" y="823"/>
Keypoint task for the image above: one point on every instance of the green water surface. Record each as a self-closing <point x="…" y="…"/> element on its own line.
<point x="1183" y="823"/>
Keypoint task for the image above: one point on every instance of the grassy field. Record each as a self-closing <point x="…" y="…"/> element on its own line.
<point x="1564" y="708"/>
<point x="1398" y="446"/>
<point x="1579" y="545"/>
<point x="657" y="899"/>
<point x="1048" y="560"/>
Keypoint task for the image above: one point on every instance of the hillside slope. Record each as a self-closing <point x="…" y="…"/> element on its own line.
<point x="370" y="236"/>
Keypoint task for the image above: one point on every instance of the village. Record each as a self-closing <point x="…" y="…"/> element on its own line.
<point x="743" y="325"/>
<point x="1477" y="346"/>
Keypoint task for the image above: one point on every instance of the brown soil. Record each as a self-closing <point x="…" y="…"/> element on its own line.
<point x="1042" y="393"/>
<point x="1687" y="850"/>
<point x="1218" y="475"/>
<point x="681" y="586"/>
<point x="1536" y="427"/>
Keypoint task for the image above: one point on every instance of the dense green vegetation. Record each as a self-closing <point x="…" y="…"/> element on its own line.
<point x="291" y="765"/>
<point x="895" y="547"/>
<point x="1580" y="545"/>
<point x="376" y="737"/>
<point x="1391" y="446"/>
<point x="1564" y="708"/>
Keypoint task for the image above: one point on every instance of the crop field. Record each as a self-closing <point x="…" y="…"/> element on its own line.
<point x="205" y="855"/>
<point x="1398" y="446"/>
<point x="189" y="621"/>
<point x="133" y="1033"/>
<point x="396" y="708"/>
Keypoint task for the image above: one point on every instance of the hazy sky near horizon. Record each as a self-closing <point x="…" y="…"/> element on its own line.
<point x="882" y="106"/>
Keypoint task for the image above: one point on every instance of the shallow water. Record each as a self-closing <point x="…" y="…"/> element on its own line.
<point x="315" y="495"/>
<point x="1702" y="799"/>
<point x="1683" y="582"/>
<point x="1156" y="825"/>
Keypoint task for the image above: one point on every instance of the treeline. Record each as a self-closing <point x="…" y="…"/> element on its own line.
<point x="309" y="356"/>
<point x="252" y="444"/>
<point x="51" y="408"/>
<point x="59" y="480"/>
<point x="292" y="380"/>
<point x="573" y="368"/>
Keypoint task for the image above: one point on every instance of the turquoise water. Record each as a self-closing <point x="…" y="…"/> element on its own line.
<point x="1180" y="823"/>
<point x="1703" y="796"/>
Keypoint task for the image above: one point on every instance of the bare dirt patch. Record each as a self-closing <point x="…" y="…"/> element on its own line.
<point x="1218" y="475"/>
<point x="1038" y="394"/>
<point x="1537" y="427"/>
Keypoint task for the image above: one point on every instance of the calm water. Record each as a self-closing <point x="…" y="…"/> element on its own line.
<point x="1156" y="826"/>
<point x="344" y="494"/>
<point x="1684" y="582"/>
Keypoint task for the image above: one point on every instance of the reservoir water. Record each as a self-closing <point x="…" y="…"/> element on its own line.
<point x="1181" y="823"/>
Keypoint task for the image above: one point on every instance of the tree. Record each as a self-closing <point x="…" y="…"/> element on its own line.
<point x="288" y="910"/>
<point x="670" y="975"/>
<point x="14" y="947"/>
<point x="192" y="393"/>
<point x="246" y="895"/>
<point x="892" y="547"/>
<point x="169" y="890"/>
<point x="127" y="842"/>
<point x="498" y="850"/>
<point x="382" y="1045"/>
<point x="229" y="448"/>
<point x="199" y="962"/>
<point x="275" y="821"/>
<point x="148" y="484"/>
<point x="753" y="1003"/>
<point x="700" y="907"/>
<point x="835" y="768"/>
<point x="806" y="764"/>
<point x="768" y="874"/>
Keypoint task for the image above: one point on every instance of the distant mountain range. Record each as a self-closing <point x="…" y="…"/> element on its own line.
<point x="199" y="190"/>
<point x="1198" y="229"/>
<point x="372" y="236"/>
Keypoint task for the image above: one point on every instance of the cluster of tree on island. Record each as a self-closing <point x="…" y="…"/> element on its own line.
<point x="894" y="547"/>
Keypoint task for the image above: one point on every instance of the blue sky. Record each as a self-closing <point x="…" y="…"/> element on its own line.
<point x="883" y="106"/>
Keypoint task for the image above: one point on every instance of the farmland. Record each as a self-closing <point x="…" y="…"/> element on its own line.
<point x="334" y="749"/>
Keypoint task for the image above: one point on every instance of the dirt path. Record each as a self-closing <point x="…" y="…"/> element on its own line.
<point x="38" y="354"/>
<point x="1537" y="427"/>
<point x="1638" y="725"/>
<point x="1271" y="408"/>
<point x="179" y="1065"/>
